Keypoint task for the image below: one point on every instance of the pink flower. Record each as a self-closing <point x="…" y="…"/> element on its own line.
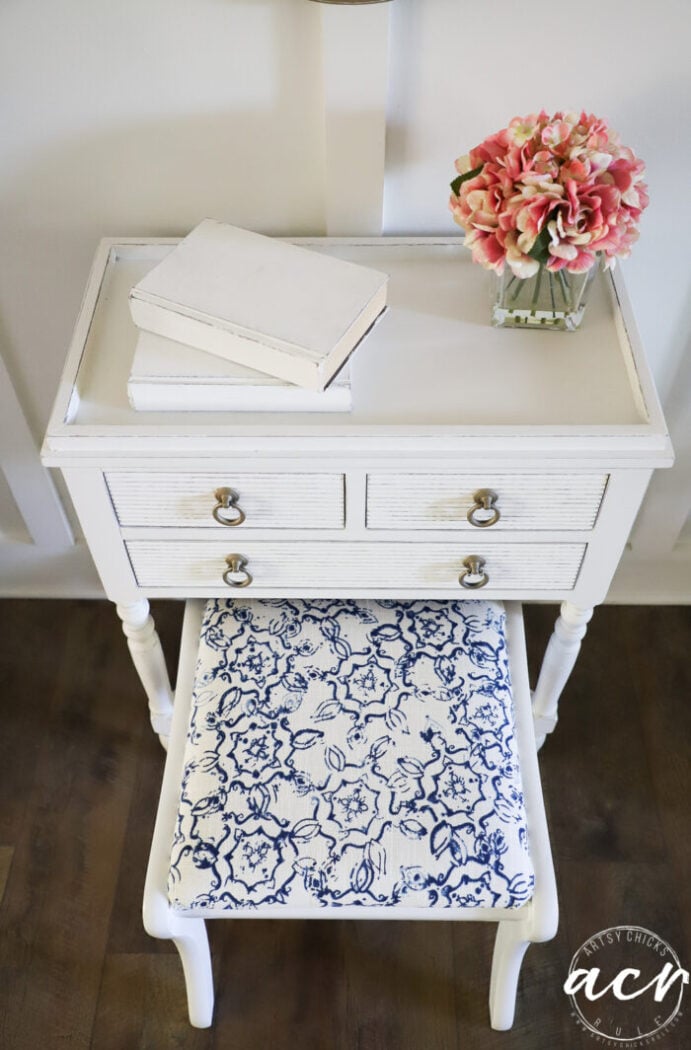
<point x="522" y="129"/>
<point x="555" y="190"/>
<point x="556" y="135"/>
<point x="488" y="248"/>
<point x="532" y="209"/>
<point x="521" y="264"/>
<point x="493" y="148"/>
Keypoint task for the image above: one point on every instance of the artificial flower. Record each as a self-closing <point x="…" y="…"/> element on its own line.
<point x="556" y="191"/>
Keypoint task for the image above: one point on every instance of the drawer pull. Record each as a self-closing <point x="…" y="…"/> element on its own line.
<point x="236" y="568"/>
<point x="227" y="500"/>
<point x="485" y="500"/>
<point x="473" y="566"/>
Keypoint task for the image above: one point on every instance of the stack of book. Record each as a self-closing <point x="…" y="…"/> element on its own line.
<point x="231" y="320"/>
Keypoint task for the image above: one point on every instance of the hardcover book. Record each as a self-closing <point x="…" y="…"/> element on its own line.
<point x="263" y="303"/>
<point x="167" y="376"/>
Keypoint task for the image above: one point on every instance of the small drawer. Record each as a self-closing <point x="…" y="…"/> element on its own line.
<point x="500" y="502"/>
<point x="226" y="500"/>
<point x="509" y="567"/>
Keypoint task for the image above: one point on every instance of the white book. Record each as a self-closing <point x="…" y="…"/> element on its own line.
<point x="264" y="303"/>
<point x="169" y="377"/>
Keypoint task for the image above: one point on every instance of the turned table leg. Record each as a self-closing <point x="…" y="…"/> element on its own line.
<point x="149" y="661"/>
<point x="557" y="665"/>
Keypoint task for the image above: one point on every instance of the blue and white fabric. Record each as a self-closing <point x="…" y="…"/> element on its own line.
<point x="351" y="752"/>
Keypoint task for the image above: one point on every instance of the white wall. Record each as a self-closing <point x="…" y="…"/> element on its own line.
<point x="143" y="116"/>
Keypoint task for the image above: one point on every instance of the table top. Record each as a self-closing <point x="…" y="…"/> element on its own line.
<point x="433" y="374"/>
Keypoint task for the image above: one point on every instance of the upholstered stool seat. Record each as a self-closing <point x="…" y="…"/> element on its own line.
<point x="351" y="758"/>
<point x="351" y="753"/>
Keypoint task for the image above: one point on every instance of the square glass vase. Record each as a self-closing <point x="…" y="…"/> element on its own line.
<point x="554" y="302"/>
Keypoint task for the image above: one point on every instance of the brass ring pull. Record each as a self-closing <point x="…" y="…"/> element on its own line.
<point x="227" y="499"/>
<point x="236" y="567"/>
<point x="473" y="566"/>
<point x="485" y="500"/>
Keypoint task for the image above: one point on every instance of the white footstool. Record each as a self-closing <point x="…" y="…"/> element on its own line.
<point x="351" y="759"/>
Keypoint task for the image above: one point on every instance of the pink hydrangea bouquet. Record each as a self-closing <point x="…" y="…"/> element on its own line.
<point x="550" y="191"/>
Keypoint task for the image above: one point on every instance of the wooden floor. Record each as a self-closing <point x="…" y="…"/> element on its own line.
<point x="79" y="774"/>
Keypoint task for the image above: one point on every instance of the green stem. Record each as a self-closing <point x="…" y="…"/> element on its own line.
<point x="536" y="292"/>
<point x="564" y="288"/>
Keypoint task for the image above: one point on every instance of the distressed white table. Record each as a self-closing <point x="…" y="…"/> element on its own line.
<point x="476" y="461"/>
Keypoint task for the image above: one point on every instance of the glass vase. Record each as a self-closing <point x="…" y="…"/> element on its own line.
<point x="551" y="301"/>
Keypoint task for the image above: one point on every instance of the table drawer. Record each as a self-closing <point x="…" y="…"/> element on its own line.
<point x="509" y="566"/>
<point x="290" y="501"/>
<point x="524" y="501"/>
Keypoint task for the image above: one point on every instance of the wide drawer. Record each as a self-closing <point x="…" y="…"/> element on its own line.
<point x="290" y="501"/>
<point x="508" y="566"/>
<point x="524" y="501"/>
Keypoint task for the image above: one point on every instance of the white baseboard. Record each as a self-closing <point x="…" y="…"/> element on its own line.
<point x="26" y="571"/>
<point x="653" y="581"/>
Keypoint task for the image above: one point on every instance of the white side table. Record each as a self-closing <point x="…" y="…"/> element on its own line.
<point x="453" y="420"/>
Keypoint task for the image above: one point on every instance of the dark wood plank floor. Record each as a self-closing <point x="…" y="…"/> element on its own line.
<point x="79" y="775"/>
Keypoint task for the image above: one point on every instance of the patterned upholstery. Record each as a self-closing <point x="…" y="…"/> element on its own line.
<point x="351" y="752"/>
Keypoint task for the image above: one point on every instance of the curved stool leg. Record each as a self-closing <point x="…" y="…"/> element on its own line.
<point x="188" y="934"/>
<point x="509" y="948"/>
<point x="192" y="943"/>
